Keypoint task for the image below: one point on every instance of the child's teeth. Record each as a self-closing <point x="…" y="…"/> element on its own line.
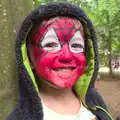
<point x="64" y="69"/>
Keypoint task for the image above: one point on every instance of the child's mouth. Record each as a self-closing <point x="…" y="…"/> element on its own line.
<point x="65" y="69"/>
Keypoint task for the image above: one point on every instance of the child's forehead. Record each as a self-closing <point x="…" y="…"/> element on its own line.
<point x="62" y="22"/>
<point x="64" y="27"/>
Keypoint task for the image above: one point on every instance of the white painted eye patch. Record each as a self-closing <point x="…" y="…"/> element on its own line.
<point x="51" y="42"/>
<point x="76" y="43"/>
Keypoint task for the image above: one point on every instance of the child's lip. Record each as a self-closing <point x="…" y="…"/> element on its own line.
<point x="64" y="69"/>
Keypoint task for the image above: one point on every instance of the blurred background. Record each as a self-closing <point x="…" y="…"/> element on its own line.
<point x="105" y="15"/>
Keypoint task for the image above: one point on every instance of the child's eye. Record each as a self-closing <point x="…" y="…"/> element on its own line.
<point x="76" y="48"/>
<point x="51" y="45"/>
<point x="76" y="45"/>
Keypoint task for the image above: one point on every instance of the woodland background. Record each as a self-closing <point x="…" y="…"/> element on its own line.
<point x="105" y="15"/>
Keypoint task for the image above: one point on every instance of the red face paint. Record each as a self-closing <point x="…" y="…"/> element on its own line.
<point x="57" y="51"/>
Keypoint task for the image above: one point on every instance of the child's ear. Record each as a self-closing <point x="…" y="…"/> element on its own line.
<point x="29" y="55"/>
<point x="30" y="60"/>
<point x="32" y="65"/>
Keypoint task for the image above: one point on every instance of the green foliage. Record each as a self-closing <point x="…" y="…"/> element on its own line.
<point x="78" y="2"/>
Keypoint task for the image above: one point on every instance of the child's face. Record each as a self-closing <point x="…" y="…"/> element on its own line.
<point x="57" y="51"/>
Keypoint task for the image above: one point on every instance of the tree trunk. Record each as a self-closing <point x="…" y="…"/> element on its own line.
<point x="12" y="13"/>
<point x="110" y="55"/>
<point x="110" y="66"/>
<point x="109" y="41"/>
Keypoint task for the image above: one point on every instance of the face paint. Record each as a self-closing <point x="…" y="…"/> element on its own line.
<point x="57" y="51"/>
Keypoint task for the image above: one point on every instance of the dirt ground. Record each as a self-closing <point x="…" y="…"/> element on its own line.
<point x="110" y="91"/>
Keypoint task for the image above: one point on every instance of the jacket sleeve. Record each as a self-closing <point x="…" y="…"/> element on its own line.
<point x="95" y="100"/>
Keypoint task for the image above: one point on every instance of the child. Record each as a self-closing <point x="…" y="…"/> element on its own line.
<point x="57" y="56"/>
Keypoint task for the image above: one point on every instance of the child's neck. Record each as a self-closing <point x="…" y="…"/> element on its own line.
<point x="61" y="98"/>
<point x="54" y="92"/>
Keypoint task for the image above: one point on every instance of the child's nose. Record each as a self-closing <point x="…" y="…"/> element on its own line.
<point x="65" y="55"/>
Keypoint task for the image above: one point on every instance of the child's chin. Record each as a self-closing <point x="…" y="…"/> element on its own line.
<point x="61" y="86"/>
<point x="65" y="85"/>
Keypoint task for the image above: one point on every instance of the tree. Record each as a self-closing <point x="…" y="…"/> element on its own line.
<point x="108" y="28"/>
<point x="12" y="13"/>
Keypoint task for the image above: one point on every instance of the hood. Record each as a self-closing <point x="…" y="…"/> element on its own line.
<point x="27" y="83"/>
<point x="84" y="83"/>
